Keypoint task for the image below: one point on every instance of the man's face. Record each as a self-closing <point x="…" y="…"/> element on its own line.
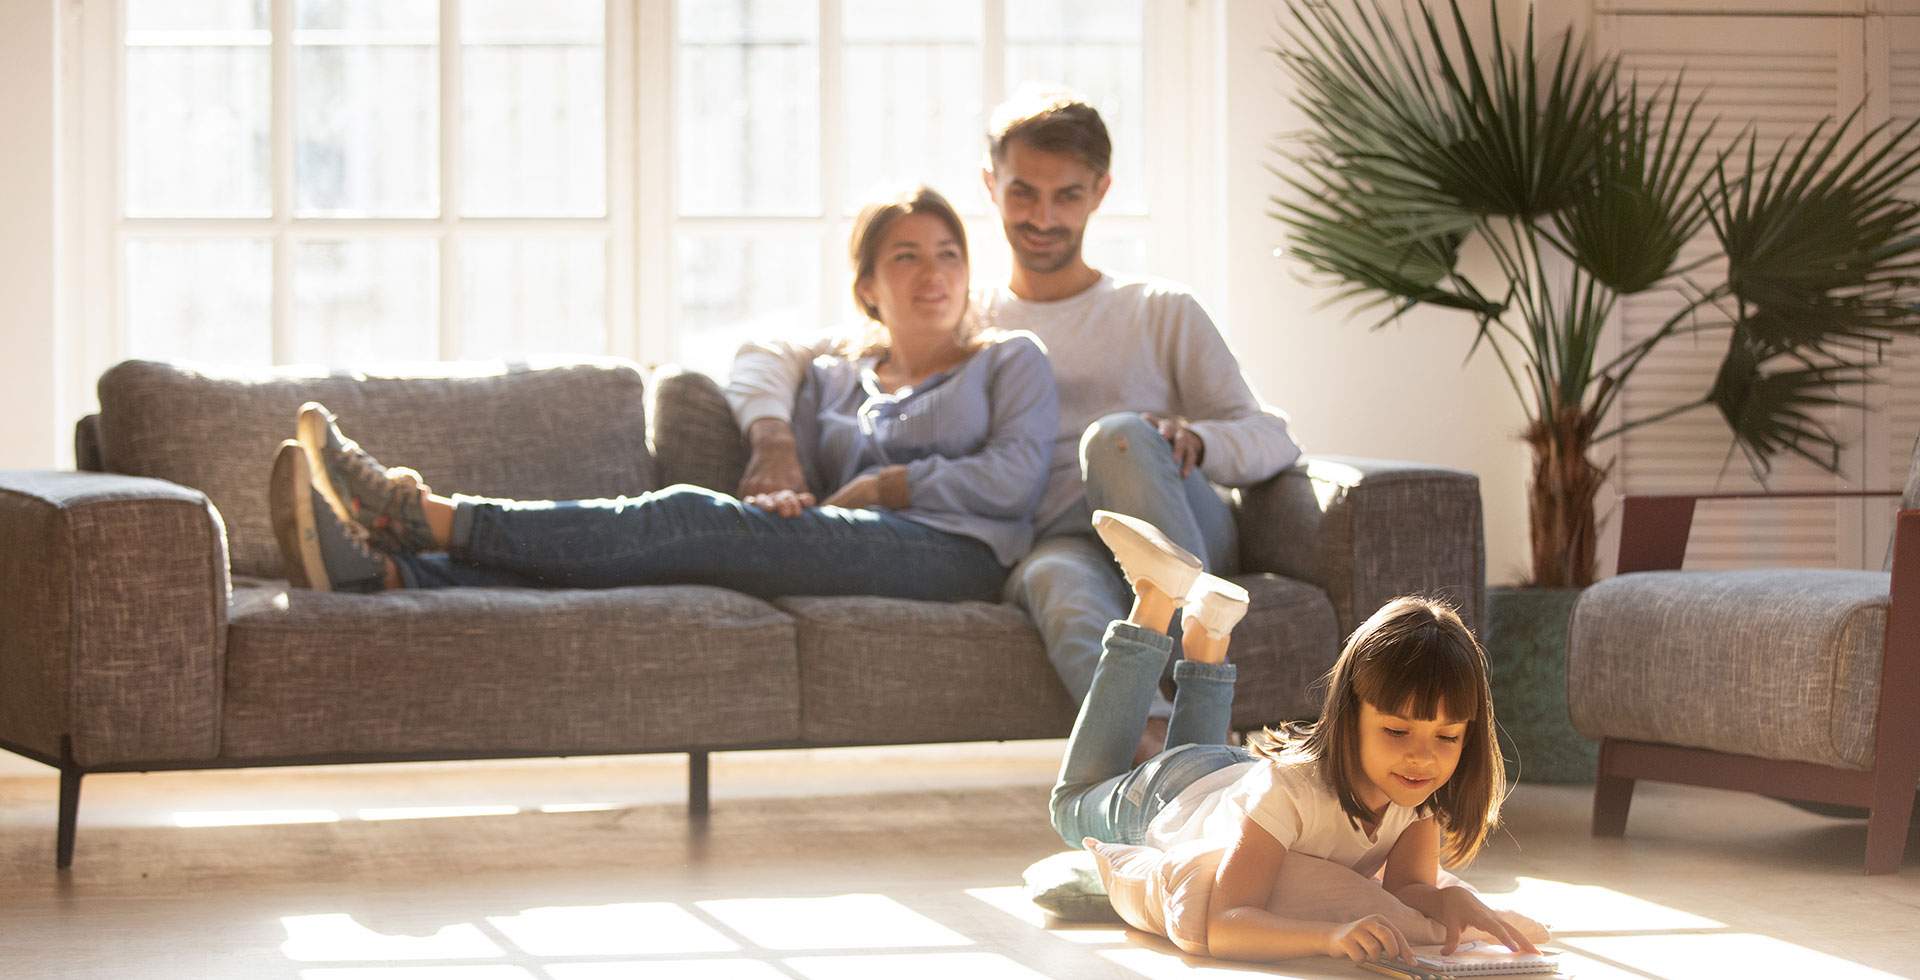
<point x="1045" y="200"/>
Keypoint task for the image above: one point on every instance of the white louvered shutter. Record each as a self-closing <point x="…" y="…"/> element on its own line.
<point x="1893" y="77"/>
<point x="1782" y="75"/>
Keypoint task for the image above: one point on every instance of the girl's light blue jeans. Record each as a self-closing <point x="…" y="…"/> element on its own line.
<point x="1100" y="793"/>
<point x="685" y="535"/>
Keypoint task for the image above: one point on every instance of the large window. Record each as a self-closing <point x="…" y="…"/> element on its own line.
<point x="357" y="182"/>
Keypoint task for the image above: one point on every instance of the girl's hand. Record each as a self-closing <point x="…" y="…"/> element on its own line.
<point x="1370" y="938"/>
<point x="1460" y="908"/>
<point x="784" y="503"/>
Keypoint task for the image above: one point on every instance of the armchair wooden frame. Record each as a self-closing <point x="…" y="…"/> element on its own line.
<point x="1653" y="537"/>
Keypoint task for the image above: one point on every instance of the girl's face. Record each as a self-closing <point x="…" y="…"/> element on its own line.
<point x="919" y="281"/>
<point x="1405" y="759"/>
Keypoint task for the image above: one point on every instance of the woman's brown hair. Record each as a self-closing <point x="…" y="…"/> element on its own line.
<point x="863" y="253"/>
<point x="1413" y="658"/>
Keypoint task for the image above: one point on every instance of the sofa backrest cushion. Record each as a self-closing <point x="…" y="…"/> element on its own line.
<point x="570" y="431"/>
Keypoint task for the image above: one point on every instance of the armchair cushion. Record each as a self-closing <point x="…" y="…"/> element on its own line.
<point x="1776" y="663"/>
<point x="486" y="428"/>
<point x="114" y="605"/>
<point x="1368" y="530"/>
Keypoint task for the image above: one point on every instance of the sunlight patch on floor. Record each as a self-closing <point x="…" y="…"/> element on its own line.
<point x="836" y="922"/>
<point x="1731" y="954"/>
<point x="336" y="937"/>
<point x="1566" y="907"/>
<point x="919" y="966"/>
<point x="628" y="929"/>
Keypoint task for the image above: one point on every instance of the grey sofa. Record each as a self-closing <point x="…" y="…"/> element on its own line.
<point x="145" y="627"/>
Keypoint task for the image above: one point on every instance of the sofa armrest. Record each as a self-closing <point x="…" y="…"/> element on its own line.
<point x="1369" y="530"/>
<point x="693" y="435"/>
<point x="113" y="596"/>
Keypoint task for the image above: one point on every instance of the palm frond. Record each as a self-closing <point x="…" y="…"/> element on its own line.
<point x="1773" y="404"/>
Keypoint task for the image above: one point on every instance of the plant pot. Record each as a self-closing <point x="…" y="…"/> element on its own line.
<point x="1526" y="641"/>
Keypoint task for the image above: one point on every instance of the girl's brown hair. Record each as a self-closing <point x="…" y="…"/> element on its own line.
<point x="863" y="253"/>
<point x="1413" y="658"/>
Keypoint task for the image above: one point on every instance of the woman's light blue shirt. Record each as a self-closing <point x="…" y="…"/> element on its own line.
<point x="975" y="439"/>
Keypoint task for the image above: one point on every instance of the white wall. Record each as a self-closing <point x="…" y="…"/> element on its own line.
<point x="28" y="234"/>
<point x="1401" y="392"/>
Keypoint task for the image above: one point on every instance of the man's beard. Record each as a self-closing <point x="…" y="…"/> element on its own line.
<point x="1044" y="264"/>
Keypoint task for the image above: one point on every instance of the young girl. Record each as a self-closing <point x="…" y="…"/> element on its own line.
<point x="1401" y="763"/>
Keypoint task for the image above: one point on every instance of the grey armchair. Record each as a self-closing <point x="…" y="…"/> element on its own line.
<point x="1797" y="683"/>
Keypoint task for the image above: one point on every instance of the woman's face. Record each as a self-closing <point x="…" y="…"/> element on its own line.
<point x="919" y="280"/>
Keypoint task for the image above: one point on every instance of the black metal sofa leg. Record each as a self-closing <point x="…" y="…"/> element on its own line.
<point x="697" y="786"/>
<point x="69" y="813"/>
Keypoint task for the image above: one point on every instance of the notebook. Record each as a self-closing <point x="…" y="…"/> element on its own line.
<point x="1472" y="959"/>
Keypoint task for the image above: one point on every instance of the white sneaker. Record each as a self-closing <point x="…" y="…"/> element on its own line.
<point x="1215" y="605"/>
<point x="1145" y="553"/>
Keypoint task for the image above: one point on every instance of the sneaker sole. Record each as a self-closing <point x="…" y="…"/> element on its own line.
<point x="312" y="429"/>
<point x="1176" y="567"/>
<point x="294" y="525"/>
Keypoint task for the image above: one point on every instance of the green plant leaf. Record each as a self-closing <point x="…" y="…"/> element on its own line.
<point x="1772" y="404"/>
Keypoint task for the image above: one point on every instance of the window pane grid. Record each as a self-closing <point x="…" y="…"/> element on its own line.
<point x="349" y="255"/>
<point x="904" y="88"/>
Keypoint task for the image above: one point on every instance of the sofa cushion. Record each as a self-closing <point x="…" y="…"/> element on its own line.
<point x="901" y="670"/>
<point x="504" y="671"/>
<point x="1284" y="646"/>
<point x="883" y="671"/>
<point x="694" y="439"/>
<point x="1776" y="663"/>
<point x="485" y="428"/>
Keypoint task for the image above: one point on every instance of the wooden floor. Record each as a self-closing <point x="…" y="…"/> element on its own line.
<point x="821" y="865"/>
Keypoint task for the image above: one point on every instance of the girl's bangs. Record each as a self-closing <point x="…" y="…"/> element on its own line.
<point x="1422" y="677"/>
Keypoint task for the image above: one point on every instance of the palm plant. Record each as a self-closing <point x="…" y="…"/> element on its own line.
<point x="1585" y="189"/>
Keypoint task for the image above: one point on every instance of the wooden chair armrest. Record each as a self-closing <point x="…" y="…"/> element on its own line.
<point x="1654" y="527"/>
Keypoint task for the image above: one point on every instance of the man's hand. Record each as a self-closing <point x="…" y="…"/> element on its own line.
<point x="1460" y="908"/>
<point x="784" y="503"/>
<point x="1189" y="450"/>
<point x="860" y="492"/>
<point x="1371" y="938"/>
<point x="774" y="462"/>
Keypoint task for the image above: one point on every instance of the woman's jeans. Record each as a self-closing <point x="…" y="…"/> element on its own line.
<point x="686" y="535"/>
<point x="1099" y="793"/>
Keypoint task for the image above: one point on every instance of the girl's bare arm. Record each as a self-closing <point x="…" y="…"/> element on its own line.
<point x="1239" y="927"/>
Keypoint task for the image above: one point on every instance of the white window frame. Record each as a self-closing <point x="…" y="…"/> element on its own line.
<point x="1183" y="86"/>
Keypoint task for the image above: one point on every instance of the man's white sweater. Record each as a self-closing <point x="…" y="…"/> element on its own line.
<point x="1117" y="346"/>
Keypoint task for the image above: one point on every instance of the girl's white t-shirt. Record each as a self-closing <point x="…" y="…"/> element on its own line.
<point x="1287" y="799"/>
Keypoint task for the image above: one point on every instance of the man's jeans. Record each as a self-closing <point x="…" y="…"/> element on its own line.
<point x="686" y="535"/>
<point x="1100" y="794"/>
<point x="1069" y="583"/>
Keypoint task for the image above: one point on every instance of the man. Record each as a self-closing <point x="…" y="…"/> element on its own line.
<point x="1153" y="407"/>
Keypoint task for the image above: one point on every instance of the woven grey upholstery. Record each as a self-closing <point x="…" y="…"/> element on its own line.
<point x="1776" y="663"/>
<point x="1367" y="531"/>
<point x="558" y="433"/>
<point x="506" y="670"/>
<point x="113" y="609"/>
<point x="86" y="446"/>
<point x="1284" y="646"/>
<point x="695" y="439"/>
<point x="897" y="670"/>
<point x="900" y="670"/>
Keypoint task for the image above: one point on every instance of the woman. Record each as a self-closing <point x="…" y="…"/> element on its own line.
<point x="930" y="441"/>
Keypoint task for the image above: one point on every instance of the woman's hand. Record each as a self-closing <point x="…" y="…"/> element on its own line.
<point x="784" y="503"/>
<point x="773" y="462"/>
<point x="1460" y="908"/>
<point x="1188" y="448"/>
<point x="861" y="491"/>
<point x="1371" y="938"/>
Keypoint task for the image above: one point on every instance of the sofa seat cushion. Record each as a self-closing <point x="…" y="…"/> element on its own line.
<point x="880" y="671"/>
<point x="485" y="428"/>
<point x="900" y="670"/>
<point x="1776" y="663"/>
<point x="502" y="671"/>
